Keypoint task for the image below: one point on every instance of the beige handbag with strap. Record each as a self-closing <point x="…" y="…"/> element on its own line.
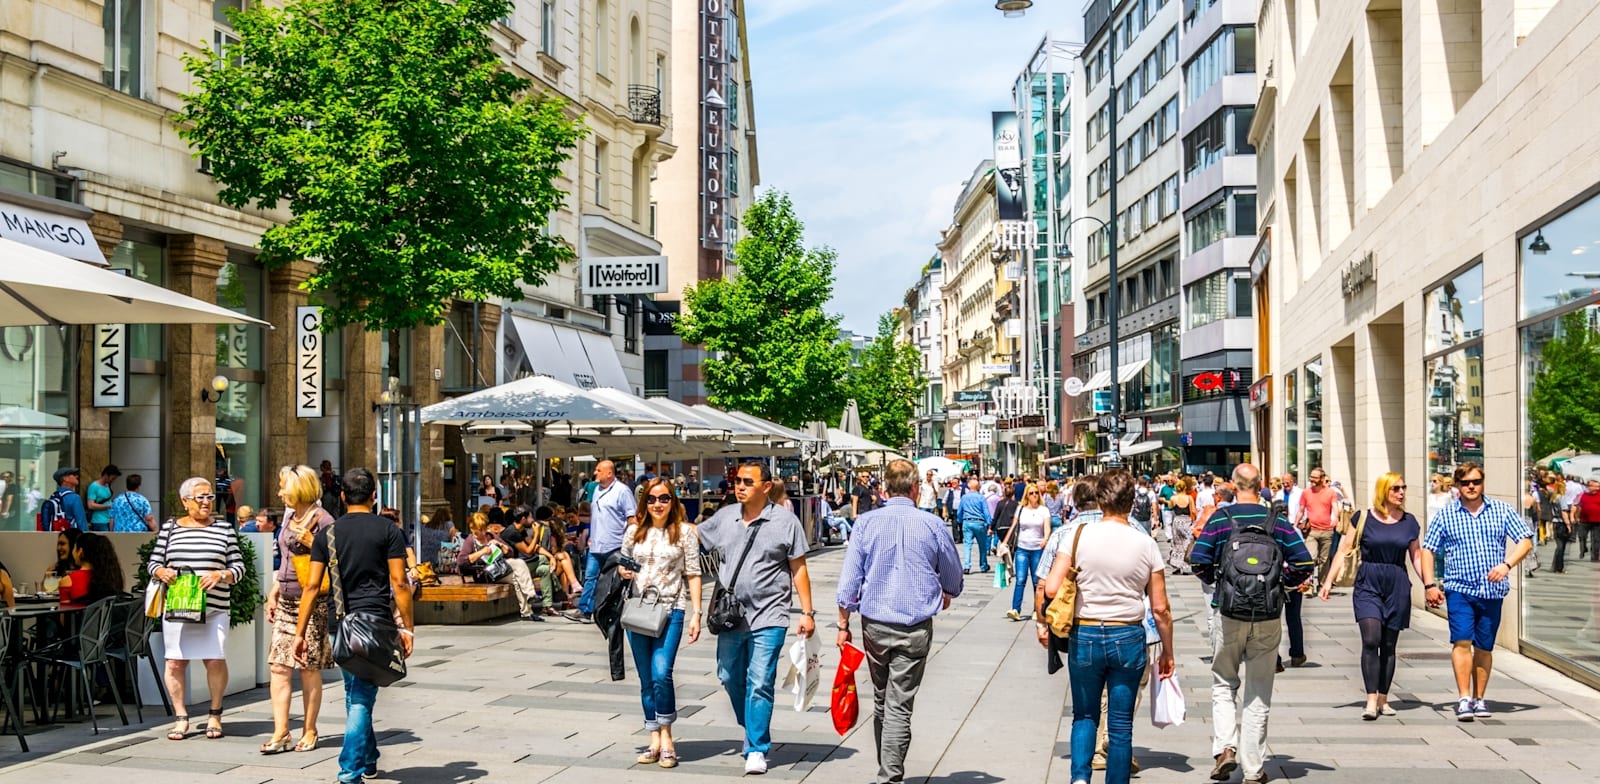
<point x="1061" y="613"/>
<point x="1351" y="562"/>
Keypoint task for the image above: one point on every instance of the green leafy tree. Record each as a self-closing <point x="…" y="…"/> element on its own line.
<point x="773" y="351"/>
<point x="1564" y="401"/>
<point x="887" y="385"/>
<point x="416" y="167"/>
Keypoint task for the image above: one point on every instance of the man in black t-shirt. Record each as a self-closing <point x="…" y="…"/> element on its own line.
<point x="863" y="498"/>
<point x="372" y="576"/>
<point x="530" y="571"/>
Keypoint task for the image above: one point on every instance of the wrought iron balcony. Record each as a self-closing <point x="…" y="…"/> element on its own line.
<point x="644" y="104"/>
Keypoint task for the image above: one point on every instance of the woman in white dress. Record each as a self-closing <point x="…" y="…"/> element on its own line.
<point x="209" y="547"/>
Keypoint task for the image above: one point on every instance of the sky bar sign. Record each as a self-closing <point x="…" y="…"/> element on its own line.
<point x="309" y="391"/>
<point x="714" y="128"/>
<point x="624" y="275"/>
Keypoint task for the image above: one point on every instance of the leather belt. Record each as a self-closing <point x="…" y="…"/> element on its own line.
<point x="1096" y="622"/>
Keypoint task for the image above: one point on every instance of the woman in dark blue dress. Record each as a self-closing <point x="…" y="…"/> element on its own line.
<point x="1387" y="535"/>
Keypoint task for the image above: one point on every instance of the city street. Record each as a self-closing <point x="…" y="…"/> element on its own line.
<point x="533" y="703"/>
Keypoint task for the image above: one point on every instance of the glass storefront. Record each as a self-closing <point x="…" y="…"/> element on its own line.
<point x="35" y="414"/>
<point x="1453" y="371"/>
<point x="242" y="359"/>
<point x="1559" y="351"/>
<point x="1291" y="423"/>
<point x="1313" y="397"/>
<point x="137" y="430"/>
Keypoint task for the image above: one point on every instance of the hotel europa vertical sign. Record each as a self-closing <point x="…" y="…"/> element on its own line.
<point x="714" y="128"/>
<point x="308" y="345"/>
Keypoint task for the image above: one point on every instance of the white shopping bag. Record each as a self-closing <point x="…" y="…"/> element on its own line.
<point x="805" y="662"/>
<point x="1166" y="702"/>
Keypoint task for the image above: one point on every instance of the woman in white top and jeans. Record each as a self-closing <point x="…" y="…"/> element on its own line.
<point x="668" y="552"/>
<point x="1031" y="529"/>
<point x="1119" y="568"/>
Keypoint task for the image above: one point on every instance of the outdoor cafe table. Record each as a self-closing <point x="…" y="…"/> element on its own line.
<point x="30" y="608"/>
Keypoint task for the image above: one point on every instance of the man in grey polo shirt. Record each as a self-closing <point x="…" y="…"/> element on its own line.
<point x="611" y="511"/>
<point x="774" y="571"/>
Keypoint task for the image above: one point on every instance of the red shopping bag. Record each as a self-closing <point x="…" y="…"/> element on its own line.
<point x="846" y="705"/>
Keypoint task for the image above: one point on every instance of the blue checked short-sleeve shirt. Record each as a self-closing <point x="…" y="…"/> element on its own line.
<point x="1471" y="545"/>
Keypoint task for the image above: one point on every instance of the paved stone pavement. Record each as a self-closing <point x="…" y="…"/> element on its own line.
<point x="534" y="703"/>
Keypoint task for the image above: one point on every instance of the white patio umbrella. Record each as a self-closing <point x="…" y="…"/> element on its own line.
<point x="40" y="288"/>
<point x="943" y="468"/>
<point x="850" y="421"/>
<point x="537" y="401"/>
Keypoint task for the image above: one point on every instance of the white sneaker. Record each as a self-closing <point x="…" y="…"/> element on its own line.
<point x="755" y="764"/>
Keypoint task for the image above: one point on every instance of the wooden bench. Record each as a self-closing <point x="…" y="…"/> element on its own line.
<point x="463" y="604"/>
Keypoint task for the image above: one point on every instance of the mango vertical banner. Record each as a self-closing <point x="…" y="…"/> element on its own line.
<point x="1008" y="167"/>
<point x="110" y="365"/>
<point x="309" y="390"/>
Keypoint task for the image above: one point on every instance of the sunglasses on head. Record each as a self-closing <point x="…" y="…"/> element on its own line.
<point x="664" y="498"/>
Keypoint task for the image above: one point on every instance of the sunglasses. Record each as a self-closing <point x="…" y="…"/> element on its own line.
<point x="745" y="481"/>
<point x="1470" y="482"/>
<point x="1397" y="487"/>
<point x="203" y="499"/>
<point x="658" y="499"/>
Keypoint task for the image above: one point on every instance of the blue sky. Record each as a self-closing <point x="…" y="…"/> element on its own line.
<point x="871" y="112"/>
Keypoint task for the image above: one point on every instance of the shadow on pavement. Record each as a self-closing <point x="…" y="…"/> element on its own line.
<point x="442" y="774"/>
<point x="696" y="750"/>
<point x="1292" y="768"/>
<point x="1163" y="760"/>
<point x="964" y="777"/>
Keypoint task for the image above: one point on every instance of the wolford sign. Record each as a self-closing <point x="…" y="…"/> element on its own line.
<point x="67" y="236"/>
<point x="308" y="344"/>
<point x="623" y="275"/>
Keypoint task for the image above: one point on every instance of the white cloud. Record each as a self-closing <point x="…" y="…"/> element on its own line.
<point x="871" y="117"/>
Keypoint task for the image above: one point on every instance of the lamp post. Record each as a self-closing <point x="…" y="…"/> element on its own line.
<point x="1018" y="8"/>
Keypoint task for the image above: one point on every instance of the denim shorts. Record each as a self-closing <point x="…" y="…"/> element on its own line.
<point x="1473" y="618"/>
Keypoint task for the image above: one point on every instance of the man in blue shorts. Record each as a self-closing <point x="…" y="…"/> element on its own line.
<point x="1470" y="533"/>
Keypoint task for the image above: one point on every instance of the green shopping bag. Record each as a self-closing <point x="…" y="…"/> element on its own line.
<point x="186" y="599"/>
<point x="1000" y="580"/>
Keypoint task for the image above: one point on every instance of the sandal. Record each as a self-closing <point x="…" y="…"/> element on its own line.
<point x="277" y="745"/>
<point x="669" y="758"/>
<point x="650" y="757"/>
<point x="214" y="724"/>
<point x="180" y="730"/>
<point x="308" y="742"/>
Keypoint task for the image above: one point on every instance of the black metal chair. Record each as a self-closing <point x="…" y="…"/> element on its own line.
<point x="93" y="639"/>
<point x="11" y="670"/>
<point x="135" y="644"/>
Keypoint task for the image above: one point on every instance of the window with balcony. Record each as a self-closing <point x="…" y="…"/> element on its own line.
<point x="1231" y="214"/>
<point x="1218" y="296"/>
<point x="1226" y="132"/>
<point x="1231" y="51"/>
<point x="123" y="69"/>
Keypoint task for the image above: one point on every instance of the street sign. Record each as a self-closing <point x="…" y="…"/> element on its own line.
<point x="978" y="396"/>
<point x="1073" y="386"/>
<point x="1102" y="401"/>
<point x="985" y="436"/>
<point x="1107" y="422"/>
<point x="986" y="420"/>
<point x="996" y="368"/>
<point x="623" y="275"/>
<point x="1133" y="425"/>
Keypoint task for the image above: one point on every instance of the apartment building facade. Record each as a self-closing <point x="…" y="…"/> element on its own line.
<point x="922" y="317"/>
<point x="1429" y="303"/>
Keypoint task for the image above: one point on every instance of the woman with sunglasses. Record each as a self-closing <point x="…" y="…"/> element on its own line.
<point x="1388" y="537"/>
<point x="208" y="546"/>
<point x="668" y="553"/>
<point x="1030" y="531"/>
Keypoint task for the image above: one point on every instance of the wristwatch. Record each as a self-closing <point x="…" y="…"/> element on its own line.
<point x="1430" y="586"/>
<point x="809" y="613"/>
<point x="842" y="627"/>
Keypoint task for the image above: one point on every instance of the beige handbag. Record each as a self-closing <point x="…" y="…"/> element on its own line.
<point x="1061" y="614"/>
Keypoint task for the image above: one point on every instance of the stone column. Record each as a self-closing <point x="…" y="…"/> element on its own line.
<point x="427" y="355"/>
<point x="363" y="383"/>
<point x="193" y="263"/>
<point x="94" y="424"/>
<point x="286" y="433"/>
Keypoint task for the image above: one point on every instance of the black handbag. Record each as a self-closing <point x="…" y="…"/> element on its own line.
<point x="366" y="643"/>
<point x="498" y="569"/>
<point x="726" y="614"/>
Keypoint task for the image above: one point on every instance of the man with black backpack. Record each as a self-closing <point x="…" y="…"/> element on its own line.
<point x="1252" y="556"/>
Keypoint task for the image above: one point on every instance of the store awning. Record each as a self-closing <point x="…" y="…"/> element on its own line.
<point x="65" y="235"/>
<point x="1141" y="447"/>
<point x="1131" y="369"/>
<point x="1098" y="380"/>
<point x="584" y="359"/>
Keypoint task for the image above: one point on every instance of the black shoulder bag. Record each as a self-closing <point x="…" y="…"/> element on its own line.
<point x="726" y="614"/>
<point x="365" y="642"/>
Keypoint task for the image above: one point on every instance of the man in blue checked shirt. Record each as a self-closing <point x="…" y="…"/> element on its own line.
<point x="900" y="570"/>
<point x="1471" y="533"/>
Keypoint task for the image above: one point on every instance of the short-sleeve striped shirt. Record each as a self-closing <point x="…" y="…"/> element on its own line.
<point x="1471" y="545"/>
<point x="212" y="548"/>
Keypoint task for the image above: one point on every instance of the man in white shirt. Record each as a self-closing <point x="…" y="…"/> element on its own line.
<point x="1290" y="494"/>
<point x="928" y="494"/>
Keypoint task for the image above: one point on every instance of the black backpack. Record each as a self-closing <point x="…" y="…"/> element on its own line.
<point x="1141" y="506"/>
<point x="1250" y="572"/>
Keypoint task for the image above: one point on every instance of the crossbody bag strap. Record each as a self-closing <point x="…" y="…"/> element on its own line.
<point x="1076" y="535"/>
<point x="333" y="566"/>
<point x="748" y="543"/>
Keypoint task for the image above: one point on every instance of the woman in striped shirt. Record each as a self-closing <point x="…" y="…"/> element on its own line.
<point x="209" y="547"/>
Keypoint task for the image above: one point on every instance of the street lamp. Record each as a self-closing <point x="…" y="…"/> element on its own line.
<point x="1013" y="7"/>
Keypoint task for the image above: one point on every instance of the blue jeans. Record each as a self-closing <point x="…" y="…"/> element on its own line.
<point x="976" y="535"/>
<point x="1027" y="561"/>
<point x="747" y="665"/>
<point x="1110" y="660"/>
<point x="591" y="574"/>
<point x="360" y="752"/>
<point x="653" y="657"/>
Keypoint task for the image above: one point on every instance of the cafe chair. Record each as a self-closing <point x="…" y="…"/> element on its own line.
<point x="11" y="681"/>
<point x="94" y="633"/>
<point x="135" y="645"/>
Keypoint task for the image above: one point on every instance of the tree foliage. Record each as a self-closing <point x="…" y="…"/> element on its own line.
<point x="1564" y="400"/>
<point x="772" y="349"/>
<point x="416" y="167"/>
<point x="887" y="385"/>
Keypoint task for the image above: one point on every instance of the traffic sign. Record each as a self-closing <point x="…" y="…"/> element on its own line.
<point x="1073" y="386"/>
<point x="1107" y="422"/>
<point x="1102" y="401"/>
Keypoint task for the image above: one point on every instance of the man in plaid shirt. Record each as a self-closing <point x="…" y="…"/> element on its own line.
<point x="1471" y="533"/>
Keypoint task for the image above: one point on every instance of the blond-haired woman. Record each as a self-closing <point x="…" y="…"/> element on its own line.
<point x="1031" y="529"/>
<point x="301" y="491"/>
<point x="1183" y="515"/>
<point x="1388" y="537"/>
<point x="208" y="546"/>
<point x="668" y="552"/>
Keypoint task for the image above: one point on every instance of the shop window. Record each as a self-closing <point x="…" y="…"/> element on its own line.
<point x="655" y="373"/>
<point x="241" y="358"/>
<point x="145" y="260"/>
<point x="1291" y="423"/>
<point x="1454" y="312"/>
<point x="35" y="411"/>
<point x="1558" y="261"/>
